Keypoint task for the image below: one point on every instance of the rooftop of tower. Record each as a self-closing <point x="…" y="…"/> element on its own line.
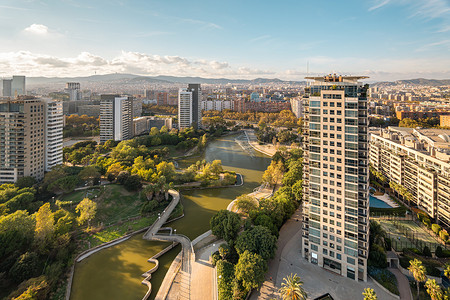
<point x="336" y="78"/>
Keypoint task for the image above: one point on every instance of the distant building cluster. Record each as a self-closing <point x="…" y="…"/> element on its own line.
<point x="14" y="87"/>
<point x="419" y="160"/>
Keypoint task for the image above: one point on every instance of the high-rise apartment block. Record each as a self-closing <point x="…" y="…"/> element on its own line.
<point x="297" y="106"/>
<point x="14" y="87"/>
<point x="189" y="106"/>
<point x="73" y="89"/>
<point x="31" y="132"/>
<point x="116" y="118"/>
<point x="336" y="175"/>
<point x="162" y="98"/>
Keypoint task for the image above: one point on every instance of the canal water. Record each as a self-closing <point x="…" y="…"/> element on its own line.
<point x="114" y="273"/>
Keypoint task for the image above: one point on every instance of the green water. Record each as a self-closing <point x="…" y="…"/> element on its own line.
<point x="114" y="273"/>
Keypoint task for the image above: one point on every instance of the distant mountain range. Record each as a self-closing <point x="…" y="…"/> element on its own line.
<point x="418" y="81"/>
<point x="162" y="79"/>
<point x="130" y="78"/>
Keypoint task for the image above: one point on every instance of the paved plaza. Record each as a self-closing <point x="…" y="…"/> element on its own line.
<point x="316" y="280"/>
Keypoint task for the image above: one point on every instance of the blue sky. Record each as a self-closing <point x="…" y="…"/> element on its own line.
<point x="384" y="39"/>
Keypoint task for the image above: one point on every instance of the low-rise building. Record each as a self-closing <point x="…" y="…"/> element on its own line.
<point x="419" y="160"/>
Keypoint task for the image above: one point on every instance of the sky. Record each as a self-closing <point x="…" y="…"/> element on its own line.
<point x="286" y="39"/>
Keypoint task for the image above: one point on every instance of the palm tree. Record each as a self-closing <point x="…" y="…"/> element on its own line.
<point x="291" y="288"/>
<point x="447" y="271"/>
<point x="418" y="271"/>
<point x="434" y="290"/>
<point x="369" y="294"/>
<point x="149" y="190"/>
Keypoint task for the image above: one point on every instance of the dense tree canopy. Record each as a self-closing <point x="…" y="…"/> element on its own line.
<point x="259" y="240"/>
<point x="225" y="224"/>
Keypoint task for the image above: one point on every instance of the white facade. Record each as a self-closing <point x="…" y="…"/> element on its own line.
<point x="184" y="109"/>
<point x="297" y="107"/>
<point x="217" y="105"/>
<point x="54" y="134"/>
<point x="116" y="118"/>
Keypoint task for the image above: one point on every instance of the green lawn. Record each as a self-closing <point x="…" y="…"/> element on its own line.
<point x="114" y="203"/>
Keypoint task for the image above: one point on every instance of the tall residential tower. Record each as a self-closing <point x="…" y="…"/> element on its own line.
<point x="189" y="106"/>
<point x="336" y="175"/>
<point x="116" y="118"/>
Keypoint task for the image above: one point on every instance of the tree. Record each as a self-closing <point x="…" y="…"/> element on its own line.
<point x="274" y="173"/>
<point x="447" y="271"/>
<point x="44" y="225"/>
<point x="418" y="271"/>
<point x="291" y="288"/>
<point x="259" y="240"/>
<point x="154" y="131"/>
<point x="369" y="294"/>
<point x="225" y="224"/>
<point x="133" y="183"/>
<point x="26" y="181"/>
<point x="250" y="270"/>
<point x="246" y="203"/>
<point x="434" y="290"/>
<point x="87" y="209"/>
<point x="122" y="177"/>
<point x="25" y="267"/>
<point x="16" y="235"/>
<point x="166" y="169"/>
<point x="89" y="173"/>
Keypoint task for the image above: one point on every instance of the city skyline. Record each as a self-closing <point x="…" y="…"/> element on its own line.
<point x="384" y="39"/>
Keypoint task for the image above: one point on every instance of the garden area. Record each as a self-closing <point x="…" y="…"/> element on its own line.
<point x="242" y="261"/>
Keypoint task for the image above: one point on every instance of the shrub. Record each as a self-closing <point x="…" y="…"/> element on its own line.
<point x="438" y="251"/>
<point x="443" y="235"/>
<point x="436" y="228"/>
<point x="442" y="253"/>
<point x="385" y="278"/>
<point x="215" y="257"/>
<point x="426" y="251"/>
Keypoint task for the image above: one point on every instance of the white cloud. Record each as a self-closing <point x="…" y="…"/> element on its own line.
<point x="38" y="29"/>
<point x="85" y="64"/>
<point x="379" y="4"/>
<point x="259" y="38"/>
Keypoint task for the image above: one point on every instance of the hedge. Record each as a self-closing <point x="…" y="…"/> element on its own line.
<point x="385" y="278"/>
<point x="225" y="276"/>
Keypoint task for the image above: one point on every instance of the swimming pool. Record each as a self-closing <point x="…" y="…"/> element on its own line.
<point x="375" y="202"/>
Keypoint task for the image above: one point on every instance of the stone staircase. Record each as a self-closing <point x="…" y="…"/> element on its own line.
<point x="185" y="286"/>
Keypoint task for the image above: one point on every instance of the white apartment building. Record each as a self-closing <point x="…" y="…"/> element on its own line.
<point x="419" y="160"/>
<point x="217" y="104"/>
<point x="185" y="109"/>
<point x="53" y="134"/>
<point x="297" y="106"/>
<point x="336" y="175"/>
<point x="116" y="118"/>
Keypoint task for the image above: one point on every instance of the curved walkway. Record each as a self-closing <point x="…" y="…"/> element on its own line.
<point x="152" y="235"/>
<point x="402" y="283"/>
